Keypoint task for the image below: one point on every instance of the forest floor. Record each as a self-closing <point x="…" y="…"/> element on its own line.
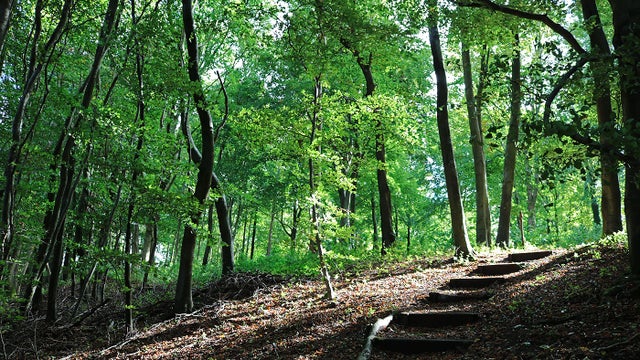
<point x="575" y="304"/>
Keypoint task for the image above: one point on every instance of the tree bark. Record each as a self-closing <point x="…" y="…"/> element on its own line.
<point x="511" y="149"/>
<point x="459" y="228"/>
<point x="384" y="193"/>
<point x="6" y="9"/>
<point x="600" y="70"/>
<point x="316" y="126"/>
<point x="207" y="249"/>
<point x="626" y="22"/>
<point x="483" y="215"/>
<point x="37" y="63"/>
<point x="183" y="298"/>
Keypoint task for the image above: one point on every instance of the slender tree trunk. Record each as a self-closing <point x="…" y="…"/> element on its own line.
<point x="272" y="220"/>
<point x="532" y="194"/>
<point x="183" y="298"/>
<point x="374" y="225"/>
<point x="222" y="209"/>
<point x="224" y="225"/>
<point x="140" y="120"/>
<point x="483" y="216"/>
<point x="511" y="149"/>
<point x="35" y="67"/>
<point x="6" y="9"/>
<point x="207" y="249"/>
<point x="315" y="219"/>
<point x="459" y="228"/>
<point x="253" y="236"/>
<point x="384" y="193"/>
<point x="600" y="70"/>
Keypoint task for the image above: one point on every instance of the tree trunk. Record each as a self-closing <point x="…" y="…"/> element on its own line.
<point x="253" y="236"/>
<point x="35" y="68"/>
<point x="315" y="220"/>
<point x="626" y="22"/>
<point x="183" y="298"/>
<point x="6" y="8"/>
<point x="374" y="225"/>
<point x="460" y="238"/>
<point x="224" y="225"/>
<point x="600" y="70"/>
<point x="207" y="249"/>
<point x="511" y="149"/>
<point x="222" y="209"/>
<point x="483" y="216"/>
<point x="272" y="220"/>
<point x="384" y="193"/>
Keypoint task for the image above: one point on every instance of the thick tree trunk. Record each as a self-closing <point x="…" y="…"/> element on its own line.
<point x="183" y="298"/>
<point x="459" y="228"/>
<point x="511" y="149"/>
<point x="483" y="216"/>
<point x="626" y="22"/>
<point x="600" y="70"/>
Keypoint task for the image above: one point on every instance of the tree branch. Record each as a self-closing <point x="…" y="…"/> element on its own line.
<point x="570" y="131"/>
<point x="543" y="18"/>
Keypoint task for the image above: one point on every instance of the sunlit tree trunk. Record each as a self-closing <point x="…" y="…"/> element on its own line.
<point x="316" y="126"/>
<point x="483" y="215"/>
<point x="511" y="149"/>
<point x="459" y="228"/>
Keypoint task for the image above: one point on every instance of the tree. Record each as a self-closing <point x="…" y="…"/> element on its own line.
<point x="483" y="213"/>
<point x="626" y="24"/>
<point x="183" y="298"/>
<point x="459" y="229"/>
<point x="601" y="71"/>
<point x="37" y="63"/>
<point x="511" y="150"/>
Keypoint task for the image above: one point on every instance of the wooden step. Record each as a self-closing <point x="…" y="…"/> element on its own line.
<point x="451" y="297"/>
<point x="499" y="268"/>
<point x="420" y="345"/>
<point x="436" y="319"/>
<point x="529" y="255"/>
<point x="475" y="282"/>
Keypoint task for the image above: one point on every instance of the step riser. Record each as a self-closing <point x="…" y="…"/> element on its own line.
<point x="528" y="256"/>
<point x="437" y="297"/>
<point x="499" y="269"/>
<point x="474" y="283"/>
<point x="420" y="346"/>
<point x="436" y="320"/>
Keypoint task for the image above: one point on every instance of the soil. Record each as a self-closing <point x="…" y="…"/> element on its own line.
<point x="575" y="304"/>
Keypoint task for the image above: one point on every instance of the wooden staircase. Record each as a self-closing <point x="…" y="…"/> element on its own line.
<point x="414" y="326"/>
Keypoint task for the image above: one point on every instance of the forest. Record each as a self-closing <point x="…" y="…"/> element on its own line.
<point x="151" y="144"/>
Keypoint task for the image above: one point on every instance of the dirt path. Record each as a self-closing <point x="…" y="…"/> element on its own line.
<point x="565" y="306"/>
